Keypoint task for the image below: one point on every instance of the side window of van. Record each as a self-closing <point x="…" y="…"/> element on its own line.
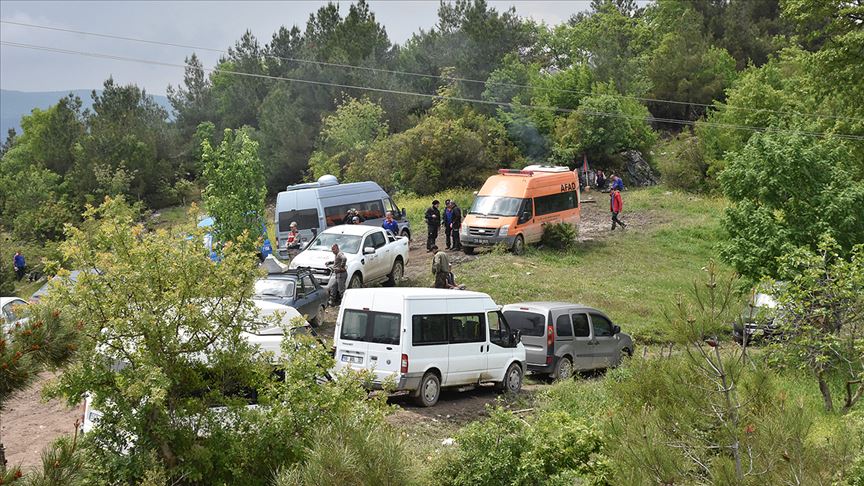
<point x="305" y="219"/>
<point x="367" y="209"/>
<point x="526" y="212"/>
<point x="580" y="325"/>
<point x="562" y="326"/>
<point x="467" y="328"/>
<point x="499" y="332"/>
<point x="555" y="203"/>
<point x="428" y="330"/>
<point x="602" y="326"/>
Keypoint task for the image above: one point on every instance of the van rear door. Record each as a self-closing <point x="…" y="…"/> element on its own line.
<point x="370" y="340"/>
<point x="532" y="324"/>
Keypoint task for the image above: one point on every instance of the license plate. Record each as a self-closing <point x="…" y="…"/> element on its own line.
<point x="352" y="359"/>
<point x="482" y="241"/>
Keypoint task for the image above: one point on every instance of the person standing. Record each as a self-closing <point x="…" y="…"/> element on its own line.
<point x="446" y="223"/>
<point x="455" y="224"/>
<point x="19" y="264"/>
<point x="433" y="221"/>
<point x="340" y="270"/>
<point x="601" y="180"/>
<point x="440" y="268"/>
<point x="390" y="224"/>
<point x="616" y="204"/>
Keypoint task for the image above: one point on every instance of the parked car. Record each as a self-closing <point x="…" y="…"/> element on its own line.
<point x="561" y="338"/>
<point x="758" y="321"/>
<point x="513" y="206"/>
<point x="268" y="338"/>
<point x="12" y="310"/>
<point x="295" y="288"/>
<point x="319" y="205"/>
<point x="424" y="339"/>
<point x="373" y="255"/>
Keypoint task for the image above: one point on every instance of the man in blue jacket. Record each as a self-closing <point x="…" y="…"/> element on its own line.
<point x="19" y="264"/>
<point x="390" y="224"/>
<point x="448" y="216"/>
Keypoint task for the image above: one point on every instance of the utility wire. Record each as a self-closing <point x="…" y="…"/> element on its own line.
<point x="423" y="75"/>
<point x="434" y="96"/>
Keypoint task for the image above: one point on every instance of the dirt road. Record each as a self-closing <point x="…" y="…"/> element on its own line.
<point x="29" y="424"/>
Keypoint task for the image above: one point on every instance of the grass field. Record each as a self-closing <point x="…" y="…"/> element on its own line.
<point x="631" y="275"/>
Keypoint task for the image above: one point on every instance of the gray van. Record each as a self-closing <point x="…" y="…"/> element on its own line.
<point x="560" y="337"/>
<point x="316" y="206"/>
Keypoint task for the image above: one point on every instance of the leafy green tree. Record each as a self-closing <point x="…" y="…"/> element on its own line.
<point x="128" y="138"/>
<point x="11" y="135"/>
<point x="238" y="98"/>
<point x="235" y="190"/>
<point x="451" y="147"/>
<point x="51" y="134"/>
<point x="789" y="191"/>
<point x="602" y="126"/>
<point x="821" y="315"/>
<point x="47" y="340"/>
<point x="346" y="136"/>
<point x="160" y="345"/>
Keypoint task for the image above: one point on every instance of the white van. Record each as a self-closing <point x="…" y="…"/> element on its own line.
<point x="316" y="206"/>
<point x="424" y="339"/>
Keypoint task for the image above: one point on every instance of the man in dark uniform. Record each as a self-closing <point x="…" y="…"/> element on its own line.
<point x="433" y="221"/>
<point x="455" y="225"/>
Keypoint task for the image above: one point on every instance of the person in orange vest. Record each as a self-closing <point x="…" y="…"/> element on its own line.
<point x="616" y="204"/>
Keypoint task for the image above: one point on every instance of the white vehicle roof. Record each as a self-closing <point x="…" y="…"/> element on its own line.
<point x="412" y="293"/>
<point x="6" y="300"/>
<point x="351" y="229"/>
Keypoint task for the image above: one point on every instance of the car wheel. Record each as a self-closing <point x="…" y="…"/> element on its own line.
<point x="397" y="273"/>
<point x="468" y="250"/>
<point x="356" y="281"/>
<point x="406" y="234"/>
<point x="429" y="391"/>
<point x="563" y="369"/>
<point x="519" y="245"/>
<point x="626" y="354"/>
<point x="512" y="379"/>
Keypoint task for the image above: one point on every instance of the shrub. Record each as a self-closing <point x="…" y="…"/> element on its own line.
<point x="505" y="449"/>
<point x="353" y="450"/>
<point x="559" y="235"/>
<point x="682" y="164"/>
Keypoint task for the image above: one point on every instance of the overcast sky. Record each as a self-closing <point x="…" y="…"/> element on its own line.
<point x="212" y="24"/>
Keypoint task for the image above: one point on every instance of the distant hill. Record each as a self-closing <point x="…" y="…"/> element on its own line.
<point x="15" y="104"/>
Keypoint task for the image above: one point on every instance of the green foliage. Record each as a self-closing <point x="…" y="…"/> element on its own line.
<point x="788" y="192"/>
<point x="505" y="449"/>
<point x="821" y="315"/>
<point x="353" y="450"/>
<point x="682" y="165"/>
<point x="235" y="190"/>
<point x="157" y="306"/>
<point x="346" y="137"/>
<point x="62" y="463"/>
<point x="559" y="236"/>
<point x="446" y="149"/>
<point x="602" y="126"/>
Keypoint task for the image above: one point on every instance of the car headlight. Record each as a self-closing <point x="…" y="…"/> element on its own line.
<point x="463" y="230"/>
<point x="504" y="230"/>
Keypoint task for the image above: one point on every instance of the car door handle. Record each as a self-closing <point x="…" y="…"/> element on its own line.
<point x="481" y="348"/>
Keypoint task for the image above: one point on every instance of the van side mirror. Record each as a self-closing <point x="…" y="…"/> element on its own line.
<point x="368" y="250"/>
<point x="515" y="337"/>
<point x="616" y="330"/>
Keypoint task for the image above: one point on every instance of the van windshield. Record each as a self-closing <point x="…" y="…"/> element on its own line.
<point x="530" y="323"/>
<point x="347" y="243"/>
<point x="496" y="206"/>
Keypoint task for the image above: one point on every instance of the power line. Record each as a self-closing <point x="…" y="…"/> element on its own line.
<point x="423" y="75"/>
<point x="432" y="96"/>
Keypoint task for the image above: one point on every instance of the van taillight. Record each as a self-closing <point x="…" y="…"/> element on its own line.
<point x="404" y="367"/>
<point x="550" y="335"/>
<point x="548" y="360"/>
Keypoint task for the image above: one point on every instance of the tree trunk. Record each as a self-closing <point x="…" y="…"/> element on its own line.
<point x="850" y="398"/>
<point x="826" y="392"/>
